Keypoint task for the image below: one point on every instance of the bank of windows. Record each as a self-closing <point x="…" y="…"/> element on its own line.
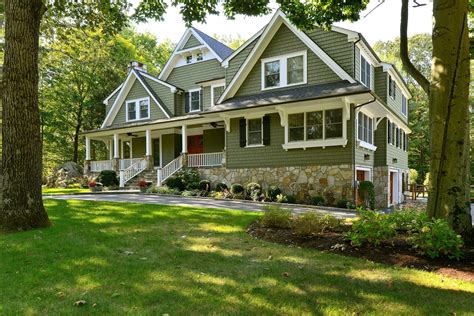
<point x="138" y="109"/>
<point x="317" y="125"/>
<point x="396" y="136"/>
<point x="365" y="72"/>
<point x="365" y="128"/>
<point x="191" y="58"/>
<point x="284" y="71"/>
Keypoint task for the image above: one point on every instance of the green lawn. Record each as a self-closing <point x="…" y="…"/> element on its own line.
<point x="63" y="191"/>
<point x="149" y="259"/>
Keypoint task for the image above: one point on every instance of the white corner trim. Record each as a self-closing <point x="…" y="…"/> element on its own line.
<point x="277" y="20"/>
<point x="106" y="100"/>
<point x="352" y="36"/>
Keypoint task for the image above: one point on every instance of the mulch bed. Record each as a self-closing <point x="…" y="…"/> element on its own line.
<point x="397" y="254"/>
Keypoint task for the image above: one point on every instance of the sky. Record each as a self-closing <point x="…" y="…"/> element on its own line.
<point x="381" y="24"/>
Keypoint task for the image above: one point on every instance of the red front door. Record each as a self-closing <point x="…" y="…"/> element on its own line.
<point x="195" y="144"/>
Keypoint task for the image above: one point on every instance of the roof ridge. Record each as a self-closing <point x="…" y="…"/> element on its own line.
<point x="223" y="50"/>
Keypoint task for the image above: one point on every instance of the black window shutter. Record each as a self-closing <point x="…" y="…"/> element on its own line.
<point x="389" y="126"/>
<point x="243" y="138"/>
<point x="266" y="130"/>
<point x="406" y="142"/>
<point x="186" y="102"/>
<point x="200" y="100"/>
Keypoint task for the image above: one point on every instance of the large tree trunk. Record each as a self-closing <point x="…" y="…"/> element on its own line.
<point x="449" y="115"/>
<point x="22" y="206"/>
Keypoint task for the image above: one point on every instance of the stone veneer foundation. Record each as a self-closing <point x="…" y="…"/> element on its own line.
<point x="303" y="181"/>
<point x="381" y="180"/>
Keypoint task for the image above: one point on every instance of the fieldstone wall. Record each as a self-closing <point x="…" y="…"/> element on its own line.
<point x="304" y="181"/>
<point x="381" y="180"/>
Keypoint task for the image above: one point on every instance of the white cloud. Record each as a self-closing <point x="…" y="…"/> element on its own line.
<point x="381" y="24"/>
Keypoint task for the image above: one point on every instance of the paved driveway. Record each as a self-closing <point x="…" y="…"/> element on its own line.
<point x="191" y="201"/>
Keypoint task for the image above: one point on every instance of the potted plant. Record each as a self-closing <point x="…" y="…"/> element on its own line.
<point x="143" y="185"/>
<point x="94" y="186"/>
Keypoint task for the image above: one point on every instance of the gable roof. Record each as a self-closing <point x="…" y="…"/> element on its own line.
<point x="219" y="48"/>
<point x="278" y="19"/>
<point x="225" y="62"/>
<point x="133" y="75"/>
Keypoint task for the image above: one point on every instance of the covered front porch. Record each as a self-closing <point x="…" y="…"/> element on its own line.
<point x="158" y="151"/>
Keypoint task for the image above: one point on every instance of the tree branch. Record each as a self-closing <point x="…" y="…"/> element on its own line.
<point x="407" y="64"/>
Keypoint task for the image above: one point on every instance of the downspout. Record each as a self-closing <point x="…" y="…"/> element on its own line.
<point x="354" y="135"/>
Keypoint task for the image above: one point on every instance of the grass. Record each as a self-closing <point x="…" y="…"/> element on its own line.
<point x="149" y="259"/>
<point x="63" y="191"/>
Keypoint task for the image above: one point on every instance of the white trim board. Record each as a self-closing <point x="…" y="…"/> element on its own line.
<point x="277" y="20"/>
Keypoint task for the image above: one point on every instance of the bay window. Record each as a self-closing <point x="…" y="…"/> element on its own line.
<point x="138" y="109"/>
<point x="285" y="70"/>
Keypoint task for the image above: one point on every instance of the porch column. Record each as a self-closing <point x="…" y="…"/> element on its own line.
<point x="148" y="152"/>
<point x="111" y="149"/>
<point x="184" y="145"/>
<point x="87" y="162"/>
<point x="116" y="153"/>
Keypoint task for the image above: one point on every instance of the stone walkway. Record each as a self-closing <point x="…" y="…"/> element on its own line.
<point x="195" y="202"/>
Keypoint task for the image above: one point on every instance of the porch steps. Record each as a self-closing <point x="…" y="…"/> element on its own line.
<point x="147" y="175"/>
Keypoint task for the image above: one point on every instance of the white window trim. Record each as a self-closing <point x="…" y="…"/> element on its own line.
<point x="360" y="69"/>
<point x="191" y="61"/>
<point x="394" y="87"/>
<point x="217" y="85"/>
<point x="406" y="105"/>
<point x="360" y="142"/>
<point x="190" y="103"/>
<point x="137" y="109"/>
<point x="342" y="141"/>
<point x="366" y="169"/>
<point x="247" y="132"/>
<point x="283" y="69"/>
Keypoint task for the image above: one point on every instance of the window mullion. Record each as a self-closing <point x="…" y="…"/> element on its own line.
<point x="324" y="124"/>
<point x="283" y="72"/>
<point x="304" y="126"/>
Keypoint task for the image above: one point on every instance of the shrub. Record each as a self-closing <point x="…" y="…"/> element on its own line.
<point x="329" y="196"/>
<point x="437" y="239"/>
<point x="142" y="184"/>
<point x="372" y="227"/>
<point x="108" y="178"/>
<point x="312" y="223"/>
<point x="408" y="220"/>
<point x="276" y="217"/>
<point x="167" y="190"/>
<point x="74" y="186"/>
<point x="253" y="189"/>
<point x="281" y="198"/>
<point x="272" y="192"/>
<point x="217" y="195"/>
<point x="204" y="185"/>
<point x="190" y="177"/>
<point x="318" y="200"/>
<point x="342" y="203"/>
<point x="412" y="176"/>
<point x="291" y="199"/>
<point x="92" y="184"/>
<point x="176" y="183"/>
<point x="367" y="193"/>
<point x="236" y="188"/>
<point x="220" y="187"/>
<point x="189" y="193"/>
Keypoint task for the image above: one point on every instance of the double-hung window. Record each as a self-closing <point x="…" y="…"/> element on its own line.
<point x="284" y="70"/>
<point x="194" y="100"/>
<point x="138" y="109"/>
<point x="365" y="71"/>
<point x="365" y="130"/>
<point x="392" y="88"/>
<point x="216" y="92"/>
<point x="254" y="132"/>
<point x="404" y="106"/>
<point x="316" y="125"/>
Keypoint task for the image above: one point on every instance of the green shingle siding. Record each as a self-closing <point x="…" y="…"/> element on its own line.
<point x="386" y="152"/>
<point x="357" y="63"/>
<point x="380" y="87"/>
<point x="171" y="147"/>
<point x="285" y="42"/>
<point x="213" y="140"/>
<point x="139" y="147"/>
<point x="396" y="105"/>
<point x="192" y="42"/>
<point x="164" y="93"/>
<point x="136" y="92"/>
<point x="337" y="47"/>
<point x="274" y="155"/>
<point x="238" y="60"/>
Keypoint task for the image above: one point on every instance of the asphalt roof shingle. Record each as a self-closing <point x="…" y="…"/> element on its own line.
<point x="220" y="49"/>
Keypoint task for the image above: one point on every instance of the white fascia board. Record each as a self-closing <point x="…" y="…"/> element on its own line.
<point x="108" y="98"/>
<point x="398" y="79"/>
<point x="277" y="20"/>
<point x="205" y="43"/>
<point x="114" y="109"/>
<point x="352" y="36"/>
<point x="164" y="83"/>
<point x="170" y="63"/>
<point x="151" y="95"/>
<point x="225" y="62"/>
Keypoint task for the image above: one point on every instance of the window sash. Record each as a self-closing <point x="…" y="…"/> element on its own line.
<point x="295" y="69"/>
<point x="296" y="127"/>
<point x="199" y="57"/>
<point x="333" y="122"/>
<point x="138" y="110"/>
<point x="404" y="105"/>
<point x="365" y="71"/>
<point x="365" y="128"/>
<point x="272" y="73"/>
<point x="132" y="113"/>
<point x="254" y="132"/>
<point x="143" y="105"/>
<point x="314" y="125"/>
<point x="194" y="101"/>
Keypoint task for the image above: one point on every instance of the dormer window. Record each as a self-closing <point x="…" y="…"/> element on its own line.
<point x="138" y="109"/>
<point x="283" y="71"/>
<point x="199" y="57"/>
<point x="189" y="59"/>
<point x="365" y="71"/>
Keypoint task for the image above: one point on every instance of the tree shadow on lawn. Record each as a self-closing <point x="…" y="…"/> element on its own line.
<point x="131" y="258"/>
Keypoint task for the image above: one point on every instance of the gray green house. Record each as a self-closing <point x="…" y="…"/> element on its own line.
<point x="312" y="112"/>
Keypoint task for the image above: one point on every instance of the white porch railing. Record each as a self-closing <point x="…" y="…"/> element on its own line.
<point x="205" y="160"/>
<point x="134" y="169"/>
<point x="126" y="163"/>
<point x="99" y="165"/>
<point x="168" y="170"/>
